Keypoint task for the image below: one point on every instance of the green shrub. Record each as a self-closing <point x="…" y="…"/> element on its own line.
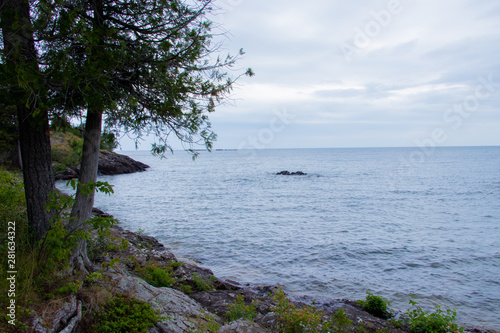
<point x="307" y="318"/>
<point x="437" y="322"/>
<point x="158" y="276"/>
<point x="240" y="310"/>
<point x="124" y="314"/>
<point x="375" y="305"/>
<point x="208" y="324"/>
<point x="340" y="322"/>
<point x="186" y="289"/>
<point x="201" y="285"/>
<point x="100" y="244"/>
<point x="154" y="273"/>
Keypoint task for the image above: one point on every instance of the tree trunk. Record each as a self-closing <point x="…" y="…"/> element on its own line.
<point x="37" y="168"/>
<point x="84" y="201"/>
<point x="34" y="135"/>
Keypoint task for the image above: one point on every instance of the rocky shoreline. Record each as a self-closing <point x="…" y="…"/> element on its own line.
<point x="198" y="309"/>
<point x="195" y="308"/>
<point x="110" y="163"/>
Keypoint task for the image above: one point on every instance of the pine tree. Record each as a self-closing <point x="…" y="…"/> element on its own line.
<point x="137" y="65"/>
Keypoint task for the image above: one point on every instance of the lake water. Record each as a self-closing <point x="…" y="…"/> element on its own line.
<point x="396" y="221"/>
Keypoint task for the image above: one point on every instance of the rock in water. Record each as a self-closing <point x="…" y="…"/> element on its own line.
<point x="288" y="173"/>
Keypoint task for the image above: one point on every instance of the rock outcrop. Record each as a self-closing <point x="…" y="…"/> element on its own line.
<point x="109" y="164"/>
<point x="182" y="313"/>
<point x="116" y="164"/>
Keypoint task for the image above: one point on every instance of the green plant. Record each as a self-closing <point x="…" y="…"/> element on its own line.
<point x="292" y="319"/>
<point x="375" y="305"/>
<point x="67" y="151"/>
<point x="201" y="285"/>
<point x="436" y="322"/>
<point x="209" y="325"/>
<point x="40" y="277"/>
<point x="186" y="289"/>
<point x="124" y="314"/>
<point x="397" y="323"/>
<point x="154" y="273"/>
<point x="110" y="264"/>
<point x="159" y="276"/>
<point x="295" y="320"/>
<point x="12" y="199"/>
<point x="92" y="277"/>
<point x="340" y="321"/>
<point x="176" y="264"/>
<point x="56" y="246"/>
<point x="97" y="247"/>
<point x="71" y="287"/>
<point x="101" y="243"/>
<point x="239" y="309"/>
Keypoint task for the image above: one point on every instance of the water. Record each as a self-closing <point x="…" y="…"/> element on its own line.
<point x="396" y="221"/>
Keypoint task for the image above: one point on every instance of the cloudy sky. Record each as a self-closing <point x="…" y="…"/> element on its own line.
<point x="378" y="73"/>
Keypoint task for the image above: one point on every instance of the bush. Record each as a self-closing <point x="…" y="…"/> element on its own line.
<point x="306" y="319"/>
<point x="375" y="305"/>
<point x="202" y="285"/>
<point x="124" y="314"/>
<point x="158" y="276"/>
<point x="437" y="322"/>
<point x="240" y="310"/>
<point x="155" y="273"/>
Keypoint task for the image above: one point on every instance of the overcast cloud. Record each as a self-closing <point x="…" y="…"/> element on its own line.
<point x="362" y="73"/>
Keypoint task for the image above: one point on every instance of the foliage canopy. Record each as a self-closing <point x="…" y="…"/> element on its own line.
<point x="150" y="66"/>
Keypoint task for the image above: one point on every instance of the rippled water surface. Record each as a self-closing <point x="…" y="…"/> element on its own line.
<point x="392" y="220"/>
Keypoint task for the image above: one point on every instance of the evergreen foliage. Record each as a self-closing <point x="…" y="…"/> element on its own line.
<point x="149" y="66"/>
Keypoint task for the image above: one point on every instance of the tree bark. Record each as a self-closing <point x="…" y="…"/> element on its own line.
<point x="34" y="135"/>
<point x="84" y="201"/>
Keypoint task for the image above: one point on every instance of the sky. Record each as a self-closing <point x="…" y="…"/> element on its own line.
<point x="388" y="73"/>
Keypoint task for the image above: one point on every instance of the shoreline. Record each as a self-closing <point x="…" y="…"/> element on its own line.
<point x="255" y="288"/>
<point x="211" y="299"/>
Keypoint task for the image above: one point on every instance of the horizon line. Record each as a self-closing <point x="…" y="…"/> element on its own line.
<point x="357" y="147"/>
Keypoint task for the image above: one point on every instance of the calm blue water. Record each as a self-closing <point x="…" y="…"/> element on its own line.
<point x="392" y="220"/>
